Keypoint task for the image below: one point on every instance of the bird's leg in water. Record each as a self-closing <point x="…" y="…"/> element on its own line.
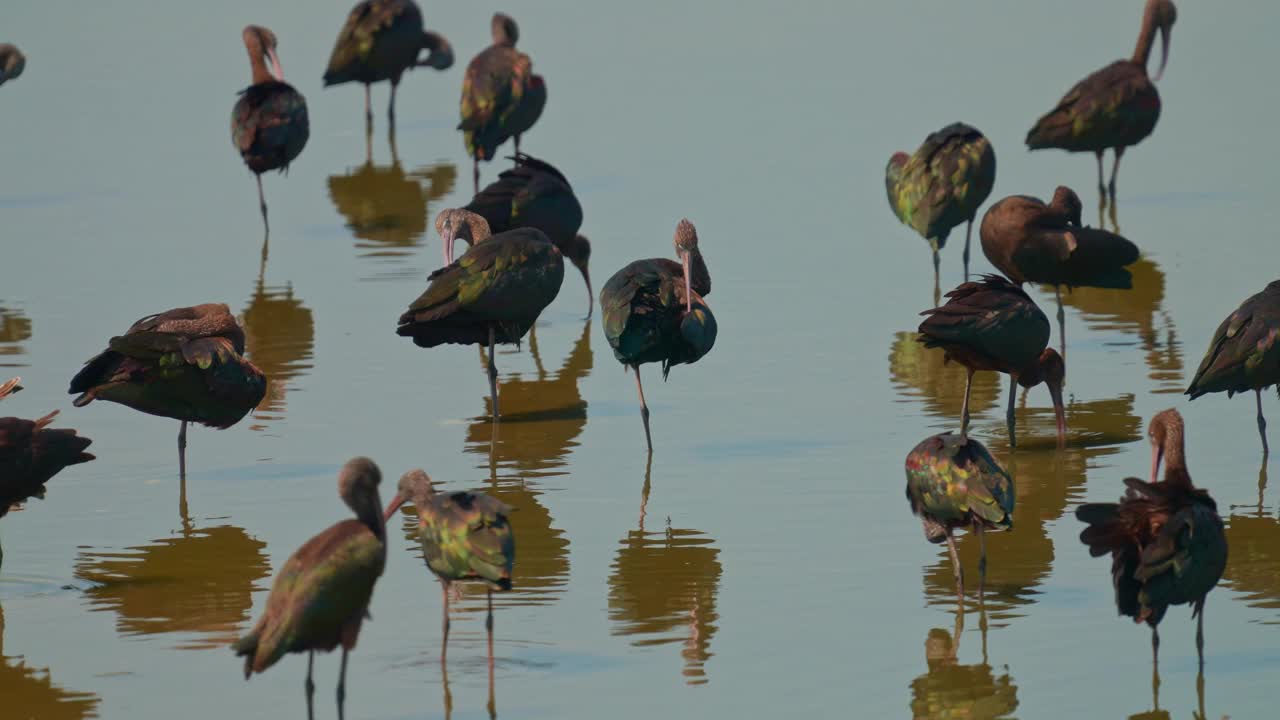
<point x="1200" y="631"/>
<point x="262" y="204"/>
<point x="391" y="108"/>
<point x="968" y="233"/>
<point x="1062" y="322"/>
<point x="1010" y="420"/>
<point x="1102" y="188"/>
<point x="310" y="686"/>
<point x="1155" y="654"/>
<point x="342" y="683"/>
<point x="488" y="626"/>
<point x="1262" y="425"/>
<point x="644" y="408"/>
<point x="493" y="376"/>
<point x="955" y="566"/>
<point x="1115" y="170"/>
<point x="444" y="643"/>
<point x="982" y="556"/>
<point x="182" y="451"/>
<point x="964" y="408"/>
<point x="368" y="110"/>
<point x="936" y="280"/>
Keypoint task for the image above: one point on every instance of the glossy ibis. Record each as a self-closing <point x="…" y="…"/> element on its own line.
<point x="1244" y="353"/>
<point x="186" y="364"/>
<point x="535" y="194"/>
<point x="269" y="125"/>
<point x="1115" y="107"/>
<point x="501" y="96"/>
<point x="12" y="62"/>
<point x="465" y="538"/>
<point x="1165" y="538"/>
<point x="654" y="312"/>
<point x="954" y="483"/>
<point x="942" y="185"/>
<point x="1030" y="241"/>
<point x="321" y="594"/>
<point x="382" y="39"/>
<point x="992" y="324"/>
<point x="492" y="294"/>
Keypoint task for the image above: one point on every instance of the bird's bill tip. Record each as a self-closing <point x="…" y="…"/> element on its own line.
<point x="1165" y="34"/>
<point x="1059" y="412"/>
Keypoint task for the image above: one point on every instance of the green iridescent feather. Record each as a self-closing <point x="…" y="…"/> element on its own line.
<point x="466" y="536"/>
<point x="645" y="318"/>
<point x="943" y="183"/>
<point x="501" y="97"/>
<point x="1244" y="353"/>
<point x="380" y="40"/>
<point x="953" y="481"/>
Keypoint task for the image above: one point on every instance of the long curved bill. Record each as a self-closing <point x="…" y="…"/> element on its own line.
<point x="1059" y="413"/>
<point x="688" y="285"/>
<point x="447" y="237"/>
<point x="279" y="71"/>
<point x="1165" y="34"/>
<point x="393" y="507"/>
<point x="1157" y="454"/>
<point x="591" y="297"/>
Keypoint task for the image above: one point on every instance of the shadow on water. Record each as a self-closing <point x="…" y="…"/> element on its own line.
<point x="15" y="327"/>
<point x="279" y="337"/>
<point x="1141" y="312"/>
<point x="388" y="210"/>
<point x="31" y="693"/>
<point x="1048" y="480"/>
<point x="663" y="588"/>
<point x="952" y="690"/>
<point x="198" y="582"/>
<point x="920" y="373"/>
<point x="1254" y="568"/>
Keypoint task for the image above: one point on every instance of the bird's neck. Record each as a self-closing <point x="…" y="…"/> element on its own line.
<point x="1175" y="462"/>
<point x="259" y="65"/>
<point x="1146" y="39"/>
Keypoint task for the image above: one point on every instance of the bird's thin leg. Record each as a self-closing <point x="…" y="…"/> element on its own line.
<point x="1200" y="694"/>
<point x="537" y="357"/>
<point x="1010" y="419"/>
<point x="968" y="233"/>
<point x="644" y="408"/>
<point x="1262" y="425"/>
<point x="964" y="407"/>
<point x="262" y="204"/>
<point x="517" y="143"/>
<point x="955" y="566"/>
<point x="493" y="375"/>
<point x="182" y="451"/>
<point x="937" y="262"/>
<point x="1200" y="632"/>
<point x="982" y="556"/>
<point x="310" y="686"/>
<point x="488" y="626"/>
<point x="342" y="683"/>
<point x="448" y="696"/>
<point x="368" y="110"/>
<point x="1062" y="322"/>
<point x="391" y="108"/>
<point x="444" y="643"/>
<point x="475" y="176"/>
<point x="1155" y="652"/>
<point x="1115" y="170"/>
<point x="1102" y="188"/>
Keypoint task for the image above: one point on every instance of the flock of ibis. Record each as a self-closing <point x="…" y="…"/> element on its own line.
<point x="1164" y="536"/>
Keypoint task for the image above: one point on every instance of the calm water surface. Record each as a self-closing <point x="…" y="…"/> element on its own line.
<point x="764" y="562"/>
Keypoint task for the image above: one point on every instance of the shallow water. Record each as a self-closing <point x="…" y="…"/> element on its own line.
<point x="764" y="562"/>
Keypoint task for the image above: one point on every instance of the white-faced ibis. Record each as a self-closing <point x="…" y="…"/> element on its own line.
<point x="186" y="364"/>
<point x="535" y="194"/>
<point x="382" y="39"/>
<point x="491" y="295"/>
<point x="321" y="595"/>
<point x="654" y="312"/>
<point x="992" y="324"/>
<point x="12" y="62"/>
<point x="269" y="125"/>
<point x="1113" y="108"/>
<point x="954" y="483"/>
<point x="1030" y="241"/>
<point x="501" y="96"/>
<point x="1244" y="353"/>
<point x="465" y="538"/>
<point x="1165" y="538"/>
<point x="942" y="185"/>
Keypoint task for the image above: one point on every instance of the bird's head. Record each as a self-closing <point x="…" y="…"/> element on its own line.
<point x="686" y="243"/>
<point x="358" y="486"/>
<point x="1165" y="434"/>
<point x="1051" y="370"/>
<point x="261" y="43"/>
<point x="1066" y="202"/>
<point x="1162" y="15"/>
<point x="456" y="224"/>
<point x="893" y="172"/>
<point x="441" y="52"/>
<point x="504" y="30"/>
<point x="414" y="487"/>
<point x="578" y="250"/>
<point x="12" y="62"/>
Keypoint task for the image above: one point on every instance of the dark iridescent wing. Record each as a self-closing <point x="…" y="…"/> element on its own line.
<point x="1117" y="105"/>
<point x="993" y="316"/>
<point x="1245" y="350"/>
<point x="945" y="181"/>
<point x="952" y="480"/>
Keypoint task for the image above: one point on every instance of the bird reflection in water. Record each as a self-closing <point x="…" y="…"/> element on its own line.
<point x="1048" y="480"/>
<point x="1139" y="311"/>
<point x="1254" y="567"/>
<point x="922" y="373"/>
<point x="30" y="692"/>
<point x="15" y="327"/>
<point x="279" y="337"/>
<point x="387" y="209"/>
<point x="663" y="587"/>
<point x="199" y="582"/>
<point x="1155" y="713"/>
<point x="952" y="690"/>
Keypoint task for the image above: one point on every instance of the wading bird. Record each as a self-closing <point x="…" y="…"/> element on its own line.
<point x="992" y="324"/>
<point x="12" y="62"/>
<point x="1165" y="538"/>
<point x="501" y="96"/>
<point x="321" y="595"/>
<point x="1244" y="353"/>
<point x="535" y="194"/>
<point x="269" y="125"/>
<point x="954" y="483"/>
<point x="654" y="312"/>
<point x="186" y="364"/>
<point x="1030" y="241"/>
<point x="942" y="185"/>
<point x="491" y="295"/>
<point x="1113" y="108"/>
<point x="382" y="39"/>
<point x="465" y="538"/>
